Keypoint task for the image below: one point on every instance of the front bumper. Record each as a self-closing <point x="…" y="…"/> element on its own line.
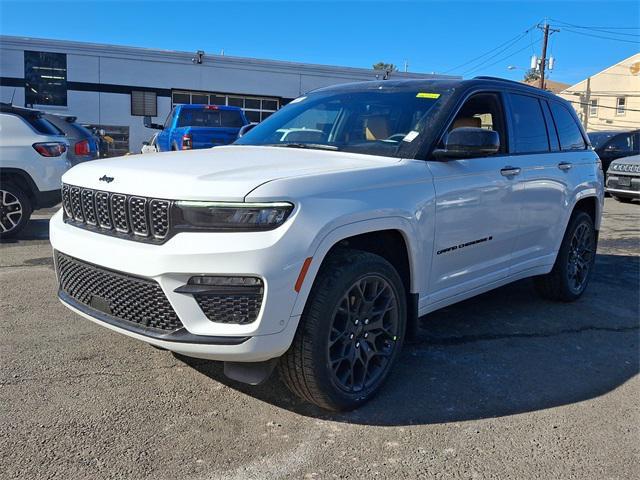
<point x="631" y="189"/>
<point x="267" y="255"/>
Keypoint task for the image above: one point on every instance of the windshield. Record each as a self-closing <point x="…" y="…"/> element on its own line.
<point x="374" y="122"/>
<point x="600" y="138"/>
<point x="191" y="117"/>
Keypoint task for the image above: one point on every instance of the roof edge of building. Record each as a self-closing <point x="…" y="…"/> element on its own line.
<point x="139" y="53"/>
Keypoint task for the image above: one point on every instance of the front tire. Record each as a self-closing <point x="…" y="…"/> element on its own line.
<point x="350" y="333"/>
<point x="15" y="210"/>
<point x="572" y="270"/>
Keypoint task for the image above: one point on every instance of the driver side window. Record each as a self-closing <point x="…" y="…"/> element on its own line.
<point x="483" y="110"/>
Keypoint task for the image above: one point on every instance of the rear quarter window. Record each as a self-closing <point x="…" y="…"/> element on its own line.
<point x="569" y="132"/>
<point x="42" y="125"/>
<point x="190" y="117"/>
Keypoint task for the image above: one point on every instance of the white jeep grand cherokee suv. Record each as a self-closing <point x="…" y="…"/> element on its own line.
<point x="318" y="253"/>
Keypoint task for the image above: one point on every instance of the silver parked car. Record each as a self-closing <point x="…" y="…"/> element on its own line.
<point x="623" y="179"/>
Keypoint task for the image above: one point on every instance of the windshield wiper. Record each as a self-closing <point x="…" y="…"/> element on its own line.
<point x="317" y="146"/>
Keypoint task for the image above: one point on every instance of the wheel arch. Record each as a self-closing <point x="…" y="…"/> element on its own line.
<point x="20" y="179"/>
<point x="391" y="238"/>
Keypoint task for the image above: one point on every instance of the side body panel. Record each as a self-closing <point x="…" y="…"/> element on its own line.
<point x="476" y="224"/>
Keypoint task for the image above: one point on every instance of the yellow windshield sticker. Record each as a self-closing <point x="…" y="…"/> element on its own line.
<point x="427" y="95"/>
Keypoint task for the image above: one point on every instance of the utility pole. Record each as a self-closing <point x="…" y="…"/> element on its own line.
<point x="543" y="61"/>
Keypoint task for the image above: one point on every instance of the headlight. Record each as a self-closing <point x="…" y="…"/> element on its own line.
<point x="223" y="216"/>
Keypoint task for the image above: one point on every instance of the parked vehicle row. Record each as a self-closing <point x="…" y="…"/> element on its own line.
<point x="613" y="144"/>
<point x="315" y="241"/>
<point x="33" y="157"/>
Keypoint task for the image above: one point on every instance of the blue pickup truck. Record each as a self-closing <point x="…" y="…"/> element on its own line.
<point x="198" y="126"/>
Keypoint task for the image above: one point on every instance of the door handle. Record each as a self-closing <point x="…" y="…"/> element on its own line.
<point x="510" y="171"/>
<point x="565" y="166"/>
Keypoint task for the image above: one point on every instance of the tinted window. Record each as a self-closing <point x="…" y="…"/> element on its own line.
<point x="42" y="125"/>
<point x="598" y="139"/>
<point x="252" y="116"/>
<point x="199" y="98"/>
<point x="210" y="118"/>
<point x="181" y="98"/>
<point x="529" y="130"/>
<point x="45" y="77"/>
<point x="568" y="130"/>
<point x="621" y="143"/>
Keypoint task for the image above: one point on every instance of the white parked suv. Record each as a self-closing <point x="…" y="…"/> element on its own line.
<point x="319" y="255"/>
<point x="33" y="157"/>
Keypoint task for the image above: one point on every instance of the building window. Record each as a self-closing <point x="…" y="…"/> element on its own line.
<point x="255" y="109"/>
<point x="144" y="104"/>
<point x="621" y="105"/>
<point x="593" y="107"/>
<point x="45" y="78"/>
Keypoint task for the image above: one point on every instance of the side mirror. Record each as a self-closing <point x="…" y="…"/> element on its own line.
<point x="469" y="142"/>
<point x="245" y="129"/>
<point x="147" y="123"/>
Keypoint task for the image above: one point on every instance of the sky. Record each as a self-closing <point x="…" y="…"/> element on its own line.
<point x="432" y="36"/>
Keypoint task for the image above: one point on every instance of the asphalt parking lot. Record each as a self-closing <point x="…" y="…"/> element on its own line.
<point x="505" y="385"/>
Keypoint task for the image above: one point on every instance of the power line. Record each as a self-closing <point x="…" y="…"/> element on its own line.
<point x="604" y="106"/>
<point x="508" y="44"/>
<point x="593" y="27"/>
<point x="577" y="32"/>
<point x="503" y="58"/>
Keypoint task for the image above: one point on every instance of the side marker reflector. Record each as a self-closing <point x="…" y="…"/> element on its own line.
<point x="302" y="274"/>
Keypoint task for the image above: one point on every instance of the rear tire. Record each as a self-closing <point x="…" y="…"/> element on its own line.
<point x="572" y="270"/>
<point x="350" y="333"/>
<point x="15" y="210"/>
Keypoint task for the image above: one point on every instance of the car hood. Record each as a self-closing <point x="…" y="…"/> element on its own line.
<point x="222" y="173"/>
<point x="633" y="160"/>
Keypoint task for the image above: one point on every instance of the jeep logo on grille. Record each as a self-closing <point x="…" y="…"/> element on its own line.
<point x="104" y="178"/>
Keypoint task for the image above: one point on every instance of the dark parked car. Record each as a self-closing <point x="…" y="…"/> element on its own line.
<point x="83" y="145"/>
<point x="613" y="144"/>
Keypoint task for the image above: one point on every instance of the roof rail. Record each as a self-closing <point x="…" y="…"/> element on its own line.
<point x="485" y="77"/>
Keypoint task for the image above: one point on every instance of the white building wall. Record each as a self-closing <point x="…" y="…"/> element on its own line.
<point x="108" y="67"/>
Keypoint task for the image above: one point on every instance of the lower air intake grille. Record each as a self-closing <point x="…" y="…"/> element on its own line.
<point x="242" y="308"/>
<point x="138" y="301"/>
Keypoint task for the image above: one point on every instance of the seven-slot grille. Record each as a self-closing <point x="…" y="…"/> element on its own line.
<point x="135" y="300"/>
<point x="138" y="218"/>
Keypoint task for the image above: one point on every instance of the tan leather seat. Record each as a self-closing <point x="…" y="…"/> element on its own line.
<point x="475" y="122"/>
<point x="377" y="128"/>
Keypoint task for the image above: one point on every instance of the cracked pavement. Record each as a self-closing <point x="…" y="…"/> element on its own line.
<point x="504" y="385"/>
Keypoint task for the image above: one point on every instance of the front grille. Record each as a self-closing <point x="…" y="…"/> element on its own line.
<point x="136" y="218"/>
<point x="237" y="308"/>
<point x="135" y="300"/>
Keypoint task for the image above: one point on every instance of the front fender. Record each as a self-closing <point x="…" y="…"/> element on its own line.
<point x="325" y="241"/>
